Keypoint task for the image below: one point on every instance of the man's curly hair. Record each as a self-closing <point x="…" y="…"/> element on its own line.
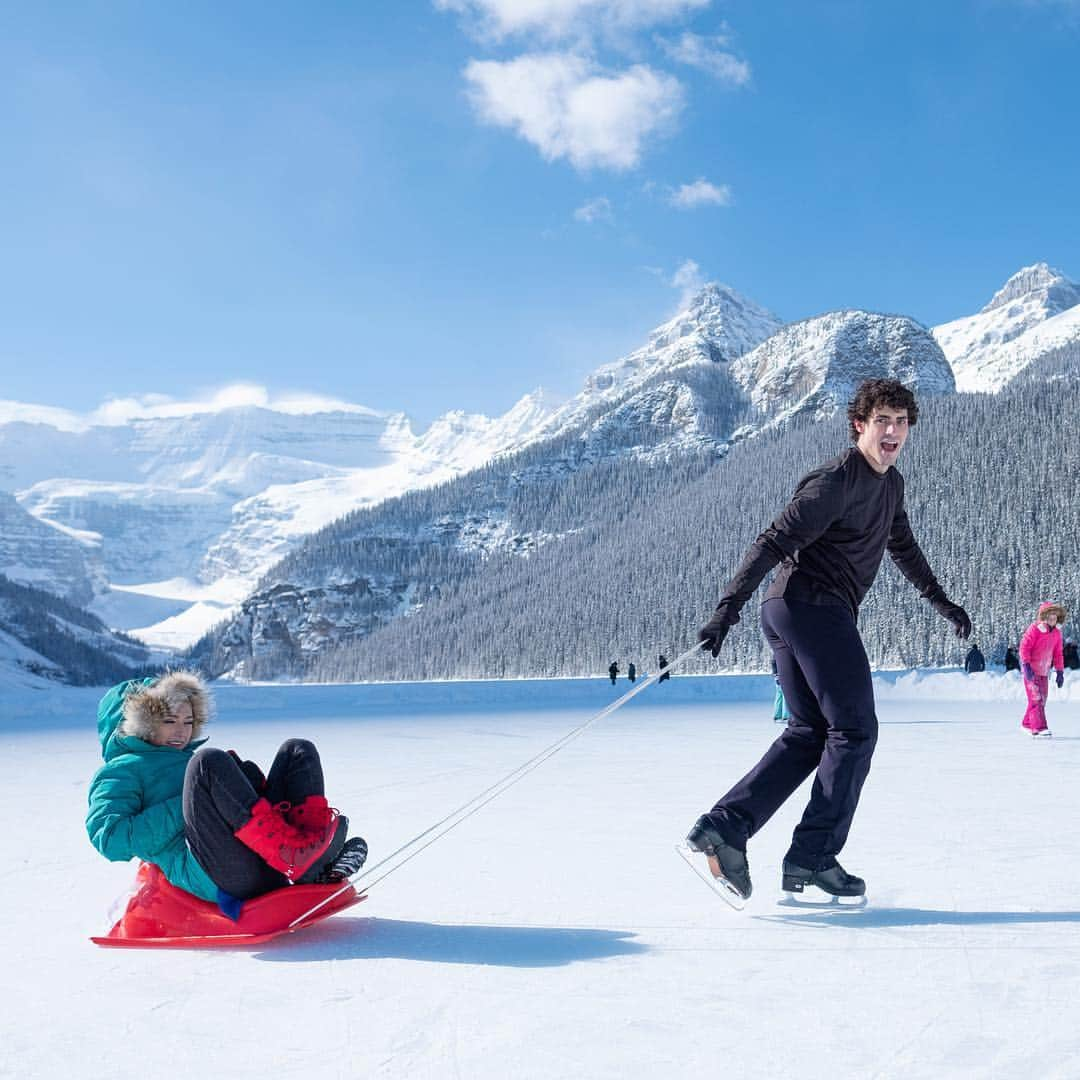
<point x="872" y="394"/>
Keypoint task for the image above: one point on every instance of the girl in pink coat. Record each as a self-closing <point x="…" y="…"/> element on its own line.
<point x="1040" y="649"/>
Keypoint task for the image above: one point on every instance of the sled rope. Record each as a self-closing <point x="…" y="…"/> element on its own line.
<point x="467" y="809"/>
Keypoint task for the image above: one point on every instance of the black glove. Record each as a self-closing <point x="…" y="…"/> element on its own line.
<point x="251" y="771"/>
<point x="1060" y="679"/>
<point x="714" y="632"/>
<point x="955" y="614"/>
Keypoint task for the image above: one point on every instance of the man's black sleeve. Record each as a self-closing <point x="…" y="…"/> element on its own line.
<point x="905" y="552"/>
<point x="819" y="500"/>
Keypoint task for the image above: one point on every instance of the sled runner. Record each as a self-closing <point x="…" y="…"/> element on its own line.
<point x="159" y="915"/>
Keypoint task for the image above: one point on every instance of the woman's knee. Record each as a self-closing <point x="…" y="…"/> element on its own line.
<point x="209" y="760"/>
<point x="298" y="748"/>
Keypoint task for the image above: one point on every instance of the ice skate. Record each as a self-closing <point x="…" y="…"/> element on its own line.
<point x="724" y="868"/>
<point x="831" y="887"/>
<point x="348" y="861"/>
<point x="1046" y="733"/>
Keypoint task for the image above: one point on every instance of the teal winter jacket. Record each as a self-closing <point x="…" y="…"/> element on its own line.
<point x="136" y="799"/>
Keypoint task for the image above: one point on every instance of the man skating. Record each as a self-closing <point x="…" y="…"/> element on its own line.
<point x="830" y="540"/>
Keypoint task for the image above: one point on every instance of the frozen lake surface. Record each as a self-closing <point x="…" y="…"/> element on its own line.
<point x="556" y="933"/>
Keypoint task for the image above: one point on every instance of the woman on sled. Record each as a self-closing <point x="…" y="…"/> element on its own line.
<point x="212" y="823"/>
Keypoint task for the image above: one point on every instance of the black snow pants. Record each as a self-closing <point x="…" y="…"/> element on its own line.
<point x="825" y="676"/>
<point x="218" y="798"/>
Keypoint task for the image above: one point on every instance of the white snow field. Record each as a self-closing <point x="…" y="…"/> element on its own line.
<point x="556" y="933"/>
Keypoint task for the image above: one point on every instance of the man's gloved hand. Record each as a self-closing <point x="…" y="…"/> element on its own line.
<point x="1028" y="673"/>
<point x="955" y="614"/>
<point x="714" y="632"/>
<point x="1060" y="679"/>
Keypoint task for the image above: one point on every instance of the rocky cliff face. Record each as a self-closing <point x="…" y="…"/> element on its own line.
<point x="813" y="366"/>
<point x="36" y="554"/>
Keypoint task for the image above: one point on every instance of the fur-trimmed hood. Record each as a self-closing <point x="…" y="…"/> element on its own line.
<point x="146" y="705"/>
<point x="1051" y="607"/>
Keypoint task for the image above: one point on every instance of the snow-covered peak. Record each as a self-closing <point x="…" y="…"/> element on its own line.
<point x="465" y="440"/>
<point x="989" y="349"/>
<point x="1048" y="286"/>
<point x="814" y="365"/>
<point x="733" y="323"/>
<point x="717" y="326"/>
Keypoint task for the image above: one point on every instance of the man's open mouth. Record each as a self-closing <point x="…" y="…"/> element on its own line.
<point x="889" y="447"/>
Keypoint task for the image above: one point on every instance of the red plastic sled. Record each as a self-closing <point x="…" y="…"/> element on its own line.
<point x="160" y="915"/>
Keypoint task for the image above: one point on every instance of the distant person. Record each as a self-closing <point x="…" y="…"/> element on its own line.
<point x="974" y="661"/>
<point x="631" y="672"/>
<point x="1070" y="654"/>
<point x="780" y="713"/>
<point x="1041" y="649"/>
<point x="212" y="823"/>
<point x="661" y="663"/>
<point x="1012" y="659"/>
<point x="829" y="542"/>
<point x="613" y="671"/>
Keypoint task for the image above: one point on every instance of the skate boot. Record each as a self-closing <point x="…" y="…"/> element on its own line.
<point x="349" y="860"/>
<point x="1042" y="733"/>
<point x="727" y="863"/>
<point x="833" y="880"/>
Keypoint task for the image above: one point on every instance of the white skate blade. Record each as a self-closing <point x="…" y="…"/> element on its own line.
<point x="699" y="863"/>
<point x="813" y="897"/>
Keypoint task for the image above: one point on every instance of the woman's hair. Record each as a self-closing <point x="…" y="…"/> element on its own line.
<point x="1049" y="607"/>
<point x="146" y="706"/>
<point x="871" y="394"/>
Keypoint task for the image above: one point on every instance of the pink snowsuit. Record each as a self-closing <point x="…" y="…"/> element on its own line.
<point x="1041" y="649"/>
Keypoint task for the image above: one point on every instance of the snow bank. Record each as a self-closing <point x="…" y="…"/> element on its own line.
<point x="19" y="702"/>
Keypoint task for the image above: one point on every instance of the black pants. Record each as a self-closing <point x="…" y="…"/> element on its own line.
<point x="218" y="798"/>
<point x="825" y="677"/>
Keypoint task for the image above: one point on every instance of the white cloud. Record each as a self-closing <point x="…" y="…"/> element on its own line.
<point x="568" y="108"/>
<point x="554" y="20"/>
<point x="708" y="54"/>
<point x="598" y="209"/>
<point x="700" y="193"/>
<point x="115" y="412"/>
<point x="688" y="281"/>
<point x="118" y="411"/>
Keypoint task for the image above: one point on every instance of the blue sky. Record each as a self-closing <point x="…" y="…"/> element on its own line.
<point x="436" y="204"/>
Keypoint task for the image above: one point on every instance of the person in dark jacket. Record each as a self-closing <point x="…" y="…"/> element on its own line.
<point x="1071" y="655"/>
<point x="213" y="824"/>
<point x="974" y="661"/>
<point x="613" y="671"/>
<point x="631" y="671"/>
<point x="661" y="663"/>
<point x="828" y="542"/>
<point x="1012" y="659"/>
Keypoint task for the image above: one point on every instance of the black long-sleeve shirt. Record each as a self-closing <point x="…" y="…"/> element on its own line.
<point x="831" y="538"/>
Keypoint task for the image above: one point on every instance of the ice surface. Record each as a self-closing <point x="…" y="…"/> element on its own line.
<point x="555" y="934"/>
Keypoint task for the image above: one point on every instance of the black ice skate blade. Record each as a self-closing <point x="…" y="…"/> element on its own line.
<point x="813" y="897"/>
<point x="723" y="888"/>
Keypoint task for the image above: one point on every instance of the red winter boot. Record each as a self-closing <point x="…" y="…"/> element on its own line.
<point x="313" y="813"/>
<point x="289" y="849"/>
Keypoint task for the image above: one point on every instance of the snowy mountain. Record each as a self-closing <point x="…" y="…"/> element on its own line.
<point x="1035" y="312"/>
<point x="179" y="508"/>
<point x="813" y="366"/>
<point x="718" y="325"/>
<point x="643" y="428"/>
<point x="61" y="561"/>
<point x="44" y="638"/>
